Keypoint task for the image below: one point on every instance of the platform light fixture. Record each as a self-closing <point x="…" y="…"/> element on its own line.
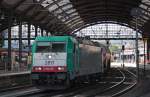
<point x="2" y="16"/>
<point x="38" y="0"/>
<point x="15" y="21"/>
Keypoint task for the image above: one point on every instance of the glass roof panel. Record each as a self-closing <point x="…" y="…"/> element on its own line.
<point x="74" y="14"/>
<point x="143" y="20"/>
<point x="62" y="9"/>
<point x="146" y="1"/>
<point x="38" y="0"/>
<point x="59" y="16"/>
<point x="63" y="2"/>
<point x="113" y="30"/>
<point x="49" y="1"/>
<point x="45" y="3"/>
<point x="145" y="12"/>
<point x="77" y="24"/>
<point x="74" y="19"/>
<point x="63" y="19"/>
<point x="143" y="6"/>
<point x="70" y="11"/>
<point x="77" y="17"/>
<point x="78" y="20"/>
<point x="52" y="8"/>
<point x="67" y="7"/>
<point x="58" y="11"/>
<point x="145" y="17"/>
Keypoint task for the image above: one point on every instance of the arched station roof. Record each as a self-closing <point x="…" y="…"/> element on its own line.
<point x="66" y="16"/>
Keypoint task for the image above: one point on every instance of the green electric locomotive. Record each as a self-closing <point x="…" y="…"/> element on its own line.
<point x="59" y="60"/>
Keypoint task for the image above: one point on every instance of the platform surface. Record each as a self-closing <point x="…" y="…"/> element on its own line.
<point x="119" y="64"/>
<point x="2" y="74"/>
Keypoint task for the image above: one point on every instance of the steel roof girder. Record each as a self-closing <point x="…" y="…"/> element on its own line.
<point x="18" y="4"/>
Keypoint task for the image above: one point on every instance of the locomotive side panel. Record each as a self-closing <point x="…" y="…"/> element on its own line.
<point x="90" y="60"/>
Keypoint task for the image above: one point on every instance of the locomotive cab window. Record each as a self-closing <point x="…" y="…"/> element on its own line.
<point x="51" y="47"/>
<point x="58" y="47"/>
<point x="43" y="47"/>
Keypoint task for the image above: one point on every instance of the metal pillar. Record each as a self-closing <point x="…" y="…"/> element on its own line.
<point x="123" y="48"/>
<point x="29" y="36"/>
<point x="123" y="59"/>
<point x="148" y="50"/>
<point x="36" y="28"/>
<point x="20" y="43"/>
<point x="137" y="51"/>
<point x="8" y="66"/>
<point x="107" y="41"/>
<point x="46" y="33"/>
<point x="144" y="58"/>
<point x="42" y="34"/>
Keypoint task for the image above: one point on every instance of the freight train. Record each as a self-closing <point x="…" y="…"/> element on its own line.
<point x="61" y="60"/>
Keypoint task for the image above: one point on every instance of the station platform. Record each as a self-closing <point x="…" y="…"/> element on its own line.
<point x="119" y="64"/>
<point x="10" y="79"/>
<point x="2" y="74"/>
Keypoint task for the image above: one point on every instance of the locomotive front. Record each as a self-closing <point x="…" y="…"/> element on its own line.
<point x="49" y="62"/>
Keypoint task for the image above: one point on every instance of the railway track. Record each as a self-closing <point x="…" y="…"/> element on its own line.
<point x="19" y="91"/>
<point x="128" y="82"/>
<point x="111" y="81"/>
<point x="15" y="88"/>
<point x="116" y="83"/>
<point x="110" y="88"/>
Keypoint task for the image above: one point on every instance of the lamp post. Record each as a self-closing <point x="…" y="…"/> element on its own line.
<point x="137" y="51"/>
<point x="123" y="48"/>
<point x="144" y="58"/>
<point x="136" y="12"/>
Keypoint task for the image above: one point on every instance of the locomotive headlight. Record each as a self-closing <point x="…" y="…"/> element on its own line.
<point x="60" y="68"/>
<point x="49" y="56"/>
<point x="39" y="68"/>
